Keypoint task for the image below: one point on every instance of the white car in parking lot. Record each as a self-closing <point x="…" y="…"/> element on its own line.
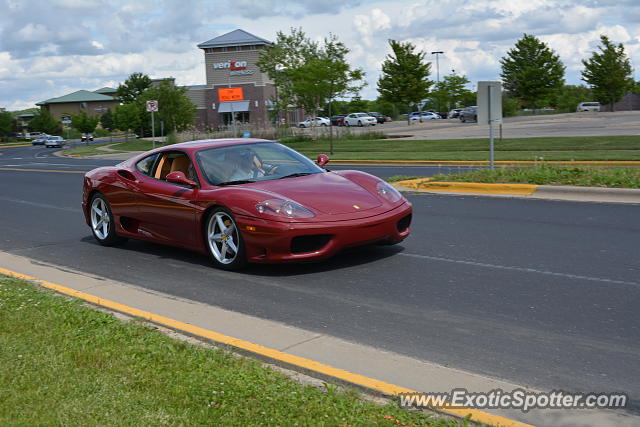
<point x="54" y="141"/>
<point x="317" y="121"/>
<point x="360" y="119"/>
<point x="424" y="115"/>
<point x="588" y="106"/>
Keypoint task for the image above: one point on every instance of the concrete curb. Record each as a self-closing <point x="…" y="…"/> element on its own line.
<point x="552" y="192"/>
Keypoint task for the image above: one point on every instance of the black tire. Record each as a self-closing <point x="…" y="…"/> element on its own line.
<point x="108" y="237"/>
<point x="301" y="126"/>
<point x="462" y="119"/>
<point x="218" y="248"/>
<point x="323" y="124"/>
<point x="347" y="124"/>
<point x="359" y="123"/>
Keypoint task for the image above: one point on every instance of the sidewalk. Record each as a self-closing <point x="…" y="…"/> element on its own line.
<point x="314" y="354"/>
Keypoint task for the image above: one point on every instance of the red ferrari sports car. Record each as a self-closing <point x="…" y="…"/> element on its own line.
<point x="242" y="200"/>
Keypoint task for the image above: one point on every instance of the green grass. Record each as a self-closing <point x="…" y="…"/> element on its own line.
<point x="588" y="148"/>
<point x="552" y="175"/>
<point x="118" y="147"/>
<point x="62" y="363"/>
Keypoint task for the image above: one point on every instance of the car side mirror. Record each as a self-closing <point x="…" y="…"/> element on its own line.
<point x="180" y="178"/>
<point x="322" y="160"/>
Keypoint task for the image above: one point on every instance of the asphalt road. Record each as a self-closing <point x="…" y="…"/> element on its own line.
<point x="536" y="292"/>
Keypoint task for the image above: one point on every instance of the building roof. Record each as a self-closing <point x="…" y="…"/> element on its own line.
<point x="78" y="96"/>
<point x="106" y="90"/>
<point x="234" y="38"/>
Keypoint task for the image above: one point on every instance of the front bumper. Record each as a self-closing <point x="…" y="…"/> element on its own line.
<point x="272" y="241"/>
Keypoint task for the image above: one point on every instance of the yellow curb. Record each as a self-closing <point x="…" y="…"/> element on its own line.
<point x="468" y="187"/>
<point x="484" y="162"/>
<point x="16" y="145"/>
<point x="302" y="362"/>
<point x="40" y="170"/>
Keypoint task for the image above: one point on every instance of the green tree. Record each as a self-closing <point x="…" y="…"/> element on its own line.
<point x="106" y="120"/>
<point x="133" y="87"/>
<point x="608" y="72"/>
<point x="358" y="104"/>
<point x="451" y="91"/>
<point x="43" y="121"/>
<point x="6" y="123"/>
<point x="568" y="97"/>
<point x="309" y="74"/>
<point x="84" y="123"/>
<point x="175" y="109"/>
<point x="405" y="76"/>
<point x="127" y="117"/>
<point x="532" y="72"/>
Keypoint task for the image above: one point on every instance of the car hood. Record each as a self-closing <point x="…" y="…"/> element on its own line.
<point x="328" y="193"/>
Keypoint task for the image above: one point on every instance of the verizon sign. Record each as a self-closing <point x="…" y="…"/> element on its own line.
<point x="235" y="67"/>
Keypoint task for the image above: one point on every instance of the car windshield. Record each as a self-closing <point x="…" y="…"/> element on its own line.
<point x="264" y="161"/>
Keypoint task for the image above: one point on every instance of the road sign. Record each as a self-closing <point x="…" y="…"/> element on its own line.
<point x="230" y="94"/>
<point x="489" y="102"/>
<point x="152" y="106"/>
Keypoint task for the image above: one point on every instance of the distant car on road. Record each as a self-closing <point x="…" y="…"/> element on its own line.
<point x="588" y="106"/>
<point x="86" y="137"/>
<point x="40" y="140"/>
<point x="317" y="121"/>
<point x="360" y="119"/>
<point x="469" y="114"/>
<point x="54" y="141"/>
<point x="338" y="119"/>
<point x="424" y="115"/>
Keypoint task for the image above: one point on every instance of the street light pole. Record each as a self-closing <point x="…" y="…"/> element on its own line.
<point x="436" y="53"/>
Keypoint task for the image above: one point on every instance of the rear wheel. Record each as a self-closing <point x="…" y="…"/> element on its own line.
<point x="103" y="223"/>
<point x="359" y="123"/>
<point x="224" y="240"/>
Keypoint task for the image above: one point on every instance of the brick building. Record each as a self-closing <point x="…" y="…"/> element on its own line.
<point x="230" y="62"/>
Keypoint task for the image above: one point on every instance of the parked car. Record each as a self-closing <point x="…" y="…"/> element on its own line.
<point x="316" y="121"/>
<point x="86" y="137"/>
<point x="338" y="119"/>
<point x="469" y="114"/>
<point x="242" y="201"/>
<point x="40" y="140"/>
<point x="424" y="115"/>
<point x="34" y="135"/>
<point x="54" y="141"/>
<point x="454" y="114"/>
<point x="381" y="118"/>
<point x="360" y="119"/>
<point x="588" y="106"/>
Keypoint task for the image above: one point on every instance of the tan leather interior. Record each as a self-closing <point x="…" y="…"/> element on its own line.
<point x="181" y="164"/>
<point x="162" y="169"/>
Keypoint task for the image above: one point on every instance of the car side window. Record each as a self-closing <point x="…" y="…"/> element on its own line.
<point x="174" y="162"/>
<point x="145" y="165"/>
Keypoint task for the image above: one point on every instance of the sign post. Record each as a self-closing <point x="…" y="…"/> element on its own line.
<point x="490" y="110"/>
<point x="152" y="106"/>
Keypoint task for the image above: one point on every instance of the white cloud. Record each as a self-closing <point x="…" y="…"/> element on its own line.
<point x="87" y="44"/>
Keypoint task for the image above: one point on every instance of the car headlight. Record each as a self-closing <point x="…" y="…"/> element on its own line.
<point x="283" y="208"/>
<point x="387" y="191"/>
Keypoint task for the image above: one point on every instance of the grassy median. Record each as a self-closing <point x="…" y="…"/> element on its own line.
<point x="588" y="176"/>
<point x="614" y="148"/>
<point x="63" y="363"/>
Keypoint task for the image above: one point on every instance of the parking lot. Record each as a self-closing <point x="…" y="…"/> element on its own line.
<point x="570" y="124"/>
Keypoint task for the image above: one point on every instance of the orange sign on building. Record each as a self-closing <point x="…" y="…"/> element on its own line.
<point x="230" y="94"/>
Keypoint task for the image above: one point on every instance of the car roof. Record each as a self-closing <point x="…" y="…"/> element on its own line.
<point x="211" y="143"/>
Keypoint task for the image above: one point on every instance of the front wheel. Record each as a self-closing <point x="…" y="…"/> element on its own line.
<point x="347" y="124"/>
<point x="103" y="223"/>
<point x="359" y="123"/>
<point x="224" y="240"/>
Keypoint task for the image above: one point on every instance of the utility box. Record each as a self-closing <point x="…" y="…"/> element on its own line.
<point x="489" y="102"/>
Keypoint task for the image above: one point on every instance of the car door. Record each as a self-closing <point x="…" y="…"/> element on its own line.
<point x="167" y="211"/>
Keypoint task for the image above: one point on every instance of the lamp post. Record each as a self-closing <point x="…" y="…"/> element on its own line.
<point x="436" y="53"/>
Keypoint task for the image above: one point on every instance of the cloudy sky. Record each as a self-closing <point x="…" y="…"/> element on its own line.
<point x="49" y="48"/>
